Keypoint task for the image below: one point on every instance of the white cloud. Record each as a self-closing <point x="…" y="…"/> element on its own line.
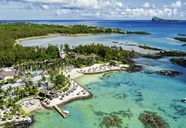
<point x="44" y="6"/>
<point x="146" y="5"/>
<point x="181" y="14"/>
<point x="85" y="3"/>
<point x="177" y="4"/>
<point x="119" y="4"/>
<point x="95" y="4"/>
<point x="64" y="12"/>
<point x="174" y="11"/>
<point x="98" y="14"/>
<point x="168" y="11"/>
<point x="121" y="13"/>
<point x="124" y="12"/>
<point x="102" y="9"/>
<point x="165" y="6"/>
<point x="50" y="1"/>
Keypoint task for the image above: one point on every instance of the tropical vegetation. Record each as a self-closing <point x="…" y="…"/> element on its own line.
<point x="180" y="39"/>
<point x="149" y="47"/>
<point x="12" y="53"/>
<point x="172" y="53"/>
<point x="179" y="61"/>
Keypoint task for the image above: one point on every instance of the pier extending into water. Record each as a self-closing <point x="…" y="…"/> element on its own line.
<point x="64" y="115"/>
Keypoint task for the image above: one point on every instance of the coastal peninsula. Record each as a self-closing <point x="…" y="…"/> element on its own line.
<point x="34" y="78"/>
<point x="180" y="39"/>
<point x="37" y="77"/>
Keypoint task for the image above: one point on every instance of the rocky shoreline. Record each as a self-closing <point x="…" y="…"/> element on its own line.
<point x="135" y="68"/>
<point x="168" y="73"/>
<point x="181" y="61"/>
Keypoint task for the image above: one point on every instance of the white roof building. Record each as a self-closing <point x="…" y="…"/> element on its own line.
<point x="7" y="73"/>
<point x="7" y="86"/>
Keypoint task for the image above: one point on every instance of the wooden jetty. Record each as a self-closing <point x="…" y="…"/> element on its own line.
<point x="64" y="115"/>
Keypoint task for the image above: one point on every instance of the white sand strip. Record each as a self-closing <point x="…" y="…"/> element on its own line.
<point x="30" y="108"/>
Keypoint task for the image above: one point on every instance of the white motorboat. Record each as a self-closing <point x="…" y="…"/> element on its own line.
<point x="66" y="112"/>
<point x="184" y="100"/>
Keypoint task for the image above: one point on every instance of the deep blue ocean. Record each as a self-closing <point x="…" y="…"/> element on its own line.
<point x="122" y="93"/>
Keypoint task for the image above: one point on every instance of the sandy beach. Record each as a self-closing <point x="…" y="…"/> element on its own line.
<point x="18" y="41"/>
<point x="127" y="46"/>
<point x="74" y="73"/>
<point x="101" y="68"/>
<point x="28" y="108"/>
<point x="94" y="69"/>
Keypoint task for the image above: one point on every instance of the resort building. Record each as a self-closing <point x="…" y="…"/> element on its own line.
<point x="62" y="54"/>
<point x="7" y="73"/>
<point x="10" y="72"/>
<point x="7" y="86"/>
<point x="81" y="56"/>
<point x="48" y="94"/>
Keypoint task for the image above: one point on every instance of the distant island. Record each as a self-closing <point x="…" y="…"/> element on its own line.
<point x="180" y="39"/>
<point x="157" y="19"/>
<point x="181" y="34"/>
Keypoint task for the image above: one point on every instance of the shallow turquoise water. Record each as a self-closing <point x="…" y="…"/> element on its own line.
<point x="161" y="34"/>
<point x="125" y="94"/>
<point x="121" y="93"/>
<point x="107" y="39"/>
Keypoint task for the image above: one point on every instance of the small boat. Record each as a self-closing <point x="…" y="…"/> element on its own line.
<point x="184" y="100"/>
<point x="114" y="42"/>
<point x="66" y="112"/>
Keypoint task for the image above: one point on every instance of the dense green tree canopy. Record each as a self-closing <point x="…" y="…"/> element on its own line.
<point x="12" y="53"/>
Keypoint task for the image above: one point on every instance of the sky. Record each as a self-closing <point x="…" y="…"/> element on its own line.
<point x="91" y="9"/>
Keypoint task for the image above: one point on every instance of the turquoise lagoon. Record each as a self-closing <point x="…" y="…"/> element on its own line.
<point x="126" y="95"/>
<point x="121" y="93"/>
<point x="161" y="34"/>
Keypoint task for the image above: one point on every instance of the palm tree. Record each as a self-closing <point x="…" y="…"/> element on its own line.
<point x="19" y="92"/>
<point x="1" y="90"/>
<point x="43" y="79"/>
<point x="2" y="82"/>
<point x="10" y="89"/>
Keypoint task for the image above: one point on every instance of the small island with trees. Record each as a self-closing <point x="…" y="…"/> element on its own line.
<point x="180" y="39"/>
<point x="149" y="47"/>
<point x="179" y="61"/>
<point x="157" y="19"/>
